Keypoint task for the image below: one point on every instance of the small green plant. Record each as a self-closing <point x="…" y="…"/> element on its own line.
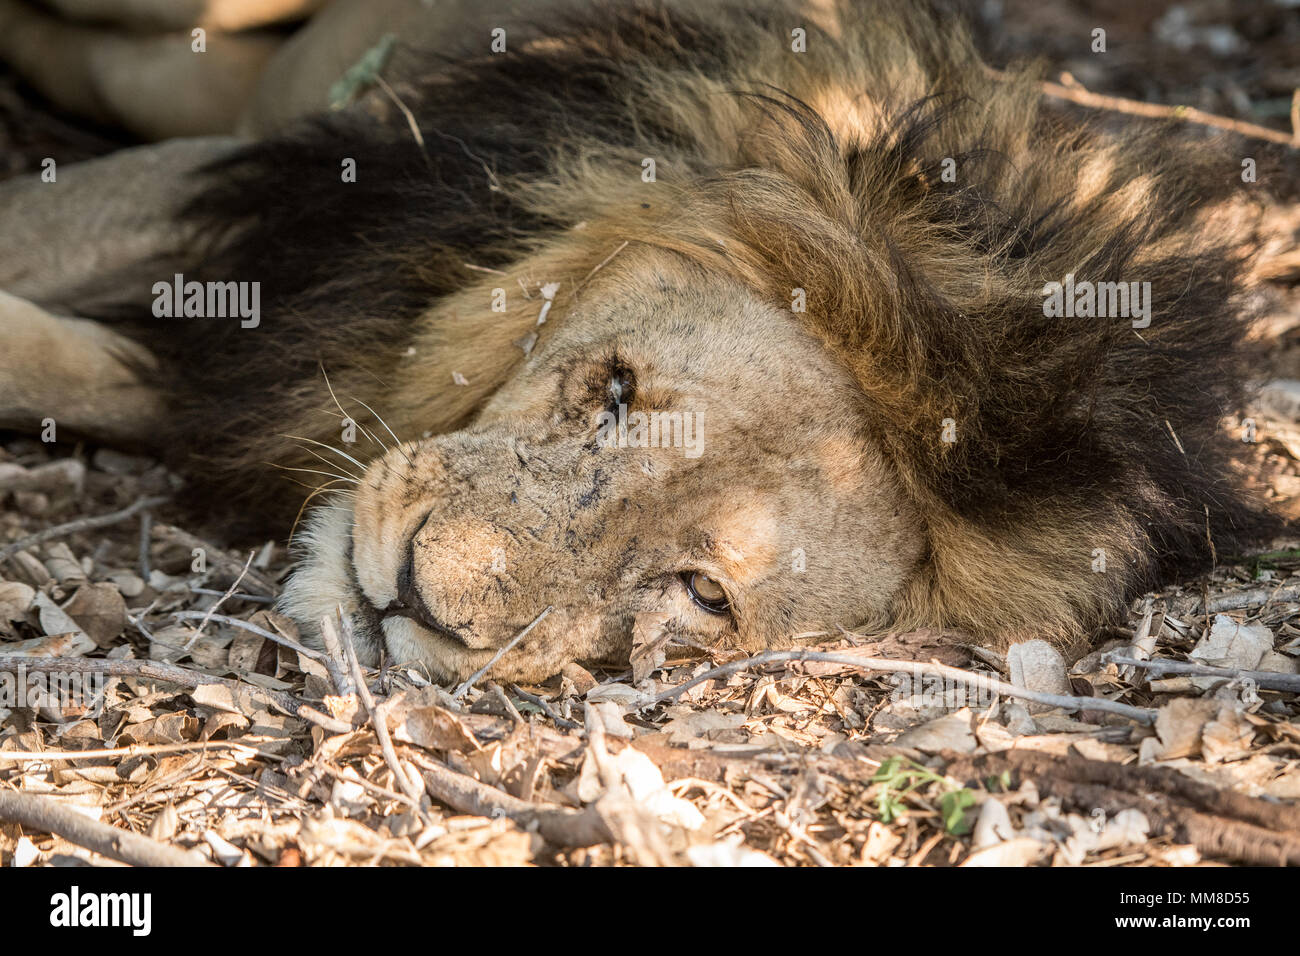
<point x="953" y="805"/>
<point x="899" y="778"/>
<point x="1287" y="559"/>
<point x="363" y="73"/>
<point x="999" y="784"/>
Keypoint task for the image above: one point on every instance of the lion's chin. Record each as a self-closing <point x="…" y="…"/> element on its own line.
<point x="323" y="581"/>
<point x="442" y="658"/>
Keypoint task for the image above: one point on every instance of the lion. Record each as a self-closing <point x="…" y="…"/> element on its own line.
<point x="745" y="322"/>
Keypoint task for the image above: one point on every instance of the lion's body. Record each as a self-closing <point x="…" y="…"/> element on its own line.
<point x="838" y="266"/>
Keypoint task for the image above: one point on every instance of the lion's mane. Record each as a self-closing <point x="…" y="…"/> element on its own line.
<point x="821" y="171"/>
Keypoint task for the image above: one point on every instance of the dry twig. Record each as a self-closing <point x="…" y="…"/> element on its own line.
<point x="557" y="825"/>
<point x="1190" y="114"/>
<point x="378" y="714"/>
<point x="48" y="816"/>
<point x="220" y="601"/>
<point x="251" y="628"/>
<point x="886" y="665"/>
<point x="136" y="750"/>
<point x="336" y="659"/>
<point x="149" y="670"/>
<point x="1265" y="680"/>
<point x="463" y="689"/>
<point x="81" y="524"/>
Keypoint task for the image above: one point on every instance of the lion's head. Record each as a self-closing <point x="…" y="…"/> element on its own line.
<point x="674" y="447"/>
<point x="692" y="327"/>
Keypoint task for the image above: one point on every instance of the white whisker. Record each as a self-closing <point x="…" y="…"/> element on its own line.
<point x="346" y="416"/>
<point x="400" y="450"/>
<point x="337" y="451"/>
<point x="333" y="464"/>
<point x="317" y="471"/>
<point x="364" y="430"/>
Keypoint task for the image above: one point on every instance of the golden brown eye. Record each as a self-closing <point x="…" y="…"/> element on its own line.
<point x="706" y="592"/>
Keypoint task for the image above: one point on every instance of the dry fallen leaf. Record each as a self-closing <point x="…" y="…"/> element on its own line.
<point x="165" y="729"/>
<point x="1022" y="851"/>
<point x="434" y="728"/>
<point x="582" y="680"/>
<point x="879" y="845"/>
<point x="64" y="566"/>
<point x="695" y="728"/>
<point x="219" y="697"/>
<point x="1179" y="724"/>
<point x="993" y="825"/>
<point x="636" y="777"/>
<point x="1233" y="645"/>
<point x="100" y="611"/>
<point x="949" y="732"/>
<point x="649" y="636"/>
<point x="244" y="652"/>
<point x="75" y="644"/>
<point x="727" y="854"/>
<point x="1038" y="666"/>
<point x="1227" y="735"/>
<point x="16" y="599"/>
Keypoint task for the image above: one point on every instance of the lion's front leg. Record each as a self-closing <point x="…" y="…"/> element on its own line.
<point x="80" y="236"/>
<point x="60" y="373"/>
<point x="175" y="82"/>
<point x="87" y="239"/>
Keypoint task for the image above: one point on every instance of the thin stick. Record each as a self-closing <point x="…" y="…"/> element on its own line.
<point x="406" y="112"/>
<point x="1141" y="714"/>
<point x="365" y="784"/>
<point x="557" y="825"/>
<point x="1189" y="114"/>
<point x="1252" y="597"/>
<point x="254" y="598"/>
<point x="207" y="616"/>
<point x="48" y="816"/>
<point x="216" y="555"/>
<point x="1265" y="680"/>
<point x="148" y="670"/>
<point x="146" y="530"/>
<point x="254" y="629"/>
<point x="191" y="769"/>
<point x="81" y="524"/>
<point x="546" y="708"/>
<point x="324" y="721"/>
<point x="463" y="689"/>
<point x="336" y="659"/>
<point x="136" y="750"/>
<point x="378" y="715"/>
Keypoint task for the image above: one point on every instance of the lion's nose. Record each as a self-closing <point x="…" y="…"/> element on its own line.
<point x="411" y="604"/>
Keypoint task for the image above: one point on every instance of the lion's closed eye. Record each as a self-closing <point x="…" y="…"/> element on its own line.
<point x="622" y="385"/>
<point x="597" y="386"/>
